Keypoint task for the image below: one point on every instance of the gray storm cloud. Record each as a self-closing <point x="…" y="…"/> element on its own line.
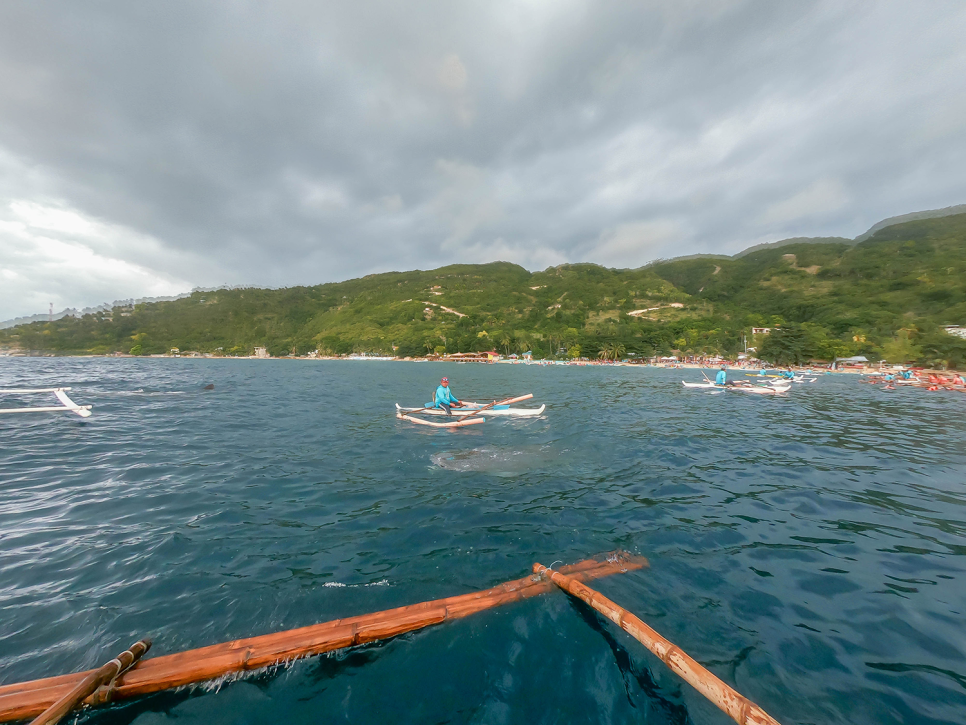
<point x="149" y="148"/>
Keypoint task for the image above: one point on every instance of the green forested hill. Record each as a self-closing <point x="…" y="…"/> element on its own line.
<point x="886" y="296"/>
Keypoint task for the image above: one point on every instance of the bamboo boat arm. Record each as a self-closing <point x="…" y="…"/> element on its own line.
<point x="739" y="708"/>
<point x="89" y="685"/>
<point x="28" y="699"/>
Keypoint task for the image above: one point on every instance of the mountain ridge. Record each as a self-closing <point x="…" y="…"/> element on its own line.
<point x="904" y="283"/>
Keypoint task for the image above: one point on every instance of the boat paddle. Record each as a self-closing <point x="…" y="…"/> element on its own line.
<point x="428" y="407"/>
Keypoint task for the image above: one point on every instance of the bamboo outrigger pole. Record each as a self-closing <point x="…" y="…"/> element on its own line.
<point x="740" y="708"/>
<point x="29" y="699"/>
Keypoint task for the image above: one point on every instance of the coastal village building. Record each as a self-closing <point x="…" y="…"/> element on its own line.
<point x="481" y="357"/>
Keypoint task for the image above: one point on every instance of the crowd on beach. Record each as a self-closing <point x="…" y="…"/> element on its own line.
<point x="930" y="380"/>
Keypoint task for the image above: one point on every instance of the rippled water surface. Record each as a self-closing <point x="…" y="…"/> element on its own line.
<point x="808" y="549"/>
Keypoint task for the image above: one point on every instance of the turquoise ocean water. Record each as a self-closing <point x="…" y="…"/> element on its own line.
<point x="809" y="549"/>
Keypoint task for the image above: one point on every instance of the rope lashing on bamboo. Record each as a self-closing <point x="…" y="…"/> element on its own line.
<point x="94" y="682"/>
<point x="737" y="706"/>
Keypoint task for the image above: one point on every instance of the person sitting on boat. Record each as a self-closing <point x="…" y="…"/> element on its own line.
<point x="722" y="377"/>
<point x="445" y="398"/>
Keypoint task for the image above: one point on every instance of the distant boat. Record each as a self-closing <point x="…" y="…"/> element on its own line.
<point x="68" y="405"/>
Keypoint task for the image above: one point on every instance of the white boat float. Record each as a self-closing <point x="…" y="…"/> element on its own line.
<point x="773" y="389"/>
<point x="504" y="410"/>
<point x="68" y="405"/>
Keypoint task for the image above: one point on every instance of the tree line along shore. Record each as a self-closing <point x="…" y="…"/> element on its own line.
<point x="899" y="295"/>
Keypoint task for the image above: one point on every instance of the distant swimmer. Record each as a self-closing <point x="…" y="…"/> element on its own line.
<point x="444" y="398"/>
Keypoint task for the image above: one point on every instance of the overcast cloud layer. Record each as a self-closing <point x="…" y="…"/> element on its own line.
<point x="147" y="148"/>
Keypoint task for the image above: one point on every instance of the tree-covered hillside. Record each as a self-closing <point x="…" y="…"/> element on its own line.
<point x="886" y="296"/>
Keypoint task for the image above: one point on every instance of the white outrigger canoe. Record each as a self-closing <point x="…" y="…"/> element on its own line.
<point x="68" y="405"/>
<point x="799" y="378"/>
<point x="504" y="410"/>
<point x="774" y="388"/>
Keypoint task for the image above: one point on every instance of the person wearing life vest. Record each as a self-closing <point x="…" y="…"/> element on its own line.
<point x="444" y="397"/>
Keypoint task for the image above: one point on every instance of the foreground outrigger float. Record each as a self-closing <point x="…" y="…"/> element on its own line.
<point x="128" y="676"/>
<point x="68" y="405"/>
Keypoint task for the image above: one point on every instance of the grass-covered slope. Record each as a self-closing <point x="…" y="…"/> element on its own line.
<point x="914" y="271"/>
<point x="887" y="295"/>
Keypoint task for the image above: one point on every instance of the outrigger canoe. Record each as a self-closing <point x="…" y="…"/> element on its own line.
<point x="772" y="389"/>
<point x="504" y="410"/>
<point x="465" y="416"/>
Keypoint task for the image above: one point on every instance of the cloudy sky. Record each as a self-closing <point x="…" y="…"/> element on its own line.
<point x="148" y="148"/>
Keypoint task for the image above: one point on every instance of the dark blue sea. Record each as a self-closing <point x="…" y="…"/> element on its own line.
<point x="809" y="549"/>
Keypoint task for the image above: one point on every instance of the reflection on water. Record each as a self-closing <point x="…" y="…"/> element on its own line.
<point x="806" y="549"/>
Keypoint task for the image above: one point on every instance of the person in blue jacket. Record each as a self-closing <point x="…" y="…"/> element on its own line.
<point x="722" y="377"/>
<point x="444" y="397"/>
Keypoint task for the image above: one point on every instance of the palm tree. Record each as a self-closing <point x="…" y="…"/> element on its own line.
<point x="505" y="342"/>
<point x="618" y="350"/>
<point x="606" y="351"/>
